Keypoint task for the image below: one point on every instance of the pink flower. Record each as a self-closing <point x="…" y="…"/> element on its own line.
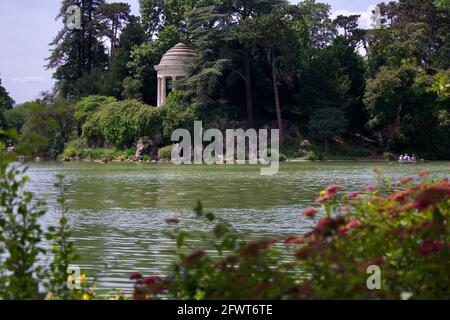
<point x="333" y="188"/>
<point x="310" y="212"/>
<point x="353" y="224"/>
<point x="151" y="280"/>
<point x="429" y="246"/>
<point x="372" y="188"/>
<point x="294" y="240"/>
<point x="352" y="195"/>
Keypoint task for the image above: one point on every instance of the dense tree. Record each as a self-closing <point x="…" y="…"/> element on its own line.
<point x="405" y="112"/>
<point x="6" y="103"/>
<point x="114" y="17"/>
<point x="46" y="128"/>
<point x="262" y="63"/>
<point x="114" y="84"/>
<point x="326" y="122"/>
<point x="78" y="52"/>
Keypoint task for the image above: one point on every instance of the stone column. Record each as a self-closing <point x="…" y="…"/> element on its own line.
<point x="163" y="91"/>
<point x="158" y="90"/>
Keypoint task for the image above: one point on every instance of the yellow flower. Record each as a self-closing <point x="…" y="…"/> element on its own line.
<point x="86" y="297"/>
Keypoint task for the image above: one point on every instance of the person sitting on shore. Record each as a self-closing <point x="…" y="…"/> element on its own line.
<point x="413" y="158"/>
<point x="401" y="157"/>
<point x="406" y="158"/>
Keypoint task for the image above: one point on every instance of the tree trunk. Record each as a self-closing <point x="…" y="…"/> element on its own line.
<point x="277" y="95"/>
<point x="248" y="89"/>
<point x="395" y="128"/>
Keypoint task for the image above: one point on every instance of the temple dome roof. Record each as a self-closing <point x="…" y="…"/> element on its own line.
<point x="176" y="57"/>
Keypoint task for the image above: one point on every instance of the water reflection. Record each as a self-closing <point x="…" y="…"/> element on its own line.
<point x="118" y="211"/>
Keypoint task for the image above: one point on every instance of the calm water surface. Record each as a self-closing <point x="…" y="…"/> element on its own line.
<point x="117" y="212"/>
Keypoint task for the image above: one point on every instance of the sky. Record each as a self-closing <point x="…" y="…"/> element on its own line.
<point x="28" y="26"/>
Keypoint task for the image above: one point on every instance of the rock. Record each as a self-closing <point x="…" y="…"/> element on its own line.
<point x="142" y="146"/>
<point x="102" y="160"/>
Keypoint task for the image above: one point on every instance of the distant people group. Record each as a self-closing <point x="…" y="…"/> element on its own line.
<point x="406" y="157"/>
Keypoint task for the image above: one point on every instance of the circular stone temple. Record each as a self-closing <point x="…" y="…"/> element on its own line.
<point x="171" y="68"/>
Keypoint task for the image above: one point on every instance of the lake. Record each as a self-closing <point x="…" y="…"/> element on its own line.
<point x="117" y="211"/>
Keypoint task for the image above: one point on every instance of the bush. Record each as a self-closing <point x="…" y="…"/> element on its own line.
<point x="405" y="234"/>
<point x="165" y="153"/>
<point x="389" y="156"/>
<point x="89" y="105"/>
<point x="25" y="267"/>
<point x="46" y="129"/>
<point x="313" y="156"/>
<point x="70" y="152"/>
<point x="178" y="114"/>
<point x="123" y="123"/>
<point x="93" y="154"/>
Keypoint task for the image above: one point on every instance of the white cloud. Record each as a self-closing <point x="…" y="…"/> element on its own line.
<point x="28" y="79"/>
<point x="365" y="21"/>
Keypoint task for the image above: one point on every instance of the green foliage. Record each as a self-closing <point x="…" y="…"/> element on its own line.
<point x="389" y="156"/>
<point x="23" y="272"/>
<point x="15" y="118"/>
<point x="89" y="105"/>
<point x="313" y="156"/>
<point x="71" y="152"/>
<point x="327" y="122"/>
<point x="46" y="128"/>
<point x="178" y="114"/>
<point x="6" y="102"/>
<point x="404" y="110"/>
<point x="405" y="233"/>
<point x="165" y="153"/>
<point x="79" y="57"/>
<point x="115" y="122"/>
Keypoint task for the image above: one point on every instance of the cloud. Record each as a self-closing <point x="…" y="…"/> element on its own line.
<point x="365" y="21"/>
<point x="29" y="79"/>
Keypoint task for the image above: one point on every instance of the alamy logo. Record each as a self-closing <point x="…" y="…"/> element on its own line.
<point x="374" y="280"/>
<point x="74" y="278"/>
<point x="237" y="150"/>
<point x="73" y="19"/>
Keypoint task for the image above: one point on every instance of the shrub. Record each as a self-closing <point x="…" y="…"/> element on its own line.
<point x="123" y="123"/>
<point x="70" y="152"/>
<point x="90" y="105"/>
<point x="24" y="272"/>
<point x="165" y="153"/>
<point x="404" y="233"/>
<point x="46" y="128"/>
<point x="178" y="114"/>
<point x="389" y="156"/>
<point x="313" y="156"/>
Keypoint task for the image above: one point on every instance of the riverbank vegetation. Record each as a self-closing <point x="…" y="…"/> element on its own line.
<point x="334" y="90"/>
